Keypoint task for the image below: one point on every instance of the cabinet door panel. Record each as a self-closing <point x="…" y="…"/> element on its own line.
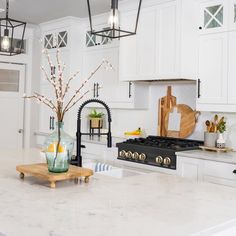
<point x="106" y="79"/>
<point x="45" y="112"/>
<point x="232" y="69"/>
<point x="147" y="44"/>
<point x="167" y="41"/>
<point x="91" y="60"/>
<point x="213" y="68"/>
<point x="128" y="51"/>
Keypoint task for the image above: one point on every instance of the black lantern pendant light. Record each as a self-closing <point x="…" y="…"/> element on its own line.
<point x="113" y="30"/>
<point x="11" y="35"/>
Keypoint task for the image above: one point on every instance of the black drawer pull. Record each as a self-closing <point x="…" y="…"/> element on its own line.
<point x="94" y="90"/>
<point x="234" y="171"/>
<point x="198" y="88"/>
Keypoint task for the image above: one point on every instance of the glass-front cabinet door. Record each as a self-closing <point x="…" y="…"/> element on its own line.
<point x="213" y="16"/>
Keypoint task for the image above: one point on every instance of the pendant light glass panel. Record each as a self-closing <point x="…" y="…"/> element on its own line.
<point x="11" y="35"/>
<point x="114" y="23"/>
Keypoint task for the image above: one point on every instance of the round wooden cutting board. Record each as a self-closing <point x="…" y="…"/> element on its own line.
<point x="188" y="120"/>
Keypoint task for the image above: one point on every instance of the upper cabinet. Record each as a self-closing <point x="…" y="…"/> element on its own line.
<point x="167" y="41"/>
<point x="105" y="84"/>
<point x="56" y="39"/>
<point x="217" y="16"/>
<point x="216" y="60"/>
<point x="151" y="53"/>
<point x="213" y="16"/>
<point x="213" y="62"/>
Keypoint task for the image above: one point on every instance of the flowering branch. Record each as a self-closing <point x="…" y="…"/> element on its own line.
<point x="61" y="88"/>
<point x="43" y="99"/>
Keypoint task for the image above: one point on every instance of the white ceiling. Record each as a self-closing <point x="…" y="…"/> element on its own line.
<point x="38" y="11"/>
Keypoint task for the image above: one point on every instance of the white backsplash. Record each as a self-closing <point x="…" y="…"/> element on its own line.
<point x="129" y="119"/>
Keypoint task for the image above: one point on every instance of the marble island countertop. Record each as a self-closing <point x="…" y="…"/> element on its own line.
<point x="148" y="204"/>
<point x="226" y="157"/>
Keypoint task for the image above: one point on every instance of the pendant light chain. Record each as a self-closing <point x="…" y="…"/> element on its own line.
<point x="7" y="8"/>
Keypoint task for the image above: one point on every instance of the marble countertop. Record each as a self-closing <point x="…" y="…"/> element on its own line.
<point x="229" y="157"/>
<point x="147" y="204"/>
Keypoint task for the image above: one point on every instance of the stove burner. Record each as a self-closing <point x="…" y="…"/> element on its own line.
<point x="163" y="142"/>
<point x="155" y="150"/>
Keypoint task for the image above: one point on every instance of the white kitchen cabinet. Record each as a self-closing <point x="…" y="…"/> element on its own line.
<point x="115" y="93"/>
<point x="189" y="39"/>
<point x="213" y="16"/>
<point x="67" y="36"/>
<point x="219" y="173"/>
<point x="207" y="171"/>
<point x="137" y="53"/>
<point x="213" y="71"/>
<point x="167" y="31"/>
<point x="98" y="152"/>
<point x="189" y="168"/>
<point x="47" y="119"/>
<point x="152" y="52"/>
<point x="107" y="80"/>
<point x="217" y="72"/>
<point x="55" y="39"/>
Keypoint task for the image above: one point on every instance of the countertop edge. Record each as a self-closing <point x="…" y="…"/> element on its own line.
<point x="229" y="157"/>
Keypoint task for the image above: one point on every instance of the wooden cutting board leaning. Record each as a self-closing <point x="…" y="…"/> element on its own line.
<point x="175" y="120"/>
<point x="165" y="104"/>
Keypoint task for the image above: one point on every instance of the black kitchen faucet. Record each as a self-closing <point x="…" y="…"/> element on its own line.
<point x="78" y="160"/>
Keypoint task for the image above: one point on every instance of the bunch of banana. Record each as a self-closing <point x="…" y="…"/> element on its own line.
<point x="135" y="132"/>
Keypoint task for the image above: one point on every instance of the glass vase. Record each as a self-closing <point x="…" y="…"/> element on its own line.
<point x="58" y="148"/>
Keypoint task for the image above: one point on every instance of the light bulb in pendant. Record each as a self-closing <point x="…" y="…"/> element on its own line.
<point x="5" y="44"/>
<point x="114" y="18"/>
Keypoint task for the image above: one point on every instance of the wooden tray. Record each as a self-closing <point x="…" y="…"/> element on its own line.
<point x="215" y="149"/>
<point x="41" y="171"/>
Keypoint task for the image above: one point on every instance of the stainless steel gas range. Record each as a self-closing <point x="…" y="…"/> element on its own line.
<point x="155" y="150"/>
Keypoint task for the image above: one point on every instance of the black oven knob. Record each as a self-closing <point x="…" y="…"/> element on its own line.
<point x="159" y="160"/>
<point x="142" y="157"/>
<point x="167" y="161"/>
<point x="122" y="153"/>
<point x="135" y="156"/>
<point x="129" y="154"/>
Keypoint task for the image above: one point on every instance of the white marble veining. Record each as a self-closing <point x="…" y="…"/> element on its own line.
<point x="148" y="204"/>
<point x="229" y="157"/>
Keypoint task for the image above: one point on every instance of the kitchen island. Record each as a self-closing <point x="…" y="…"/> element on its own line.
<point x="147" y="204"/>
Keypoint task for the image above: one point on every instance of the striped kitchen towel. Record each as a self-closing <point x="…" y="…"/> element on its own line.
<point x="102" y="167"/>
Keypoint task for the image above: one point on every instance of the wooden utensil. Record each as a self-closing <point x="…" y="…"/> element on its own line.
<point x="165" y="103"/>
<point x="216" y="119"/>
<point x="215" y="122"/>
<point x="188" y="121"/>
<point x="208" y="125"/>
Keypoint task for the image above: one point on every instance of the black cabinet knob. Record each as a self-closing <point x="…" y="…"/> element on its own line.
<point x="200" y="27"/>
<point x="234" y="171"/>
